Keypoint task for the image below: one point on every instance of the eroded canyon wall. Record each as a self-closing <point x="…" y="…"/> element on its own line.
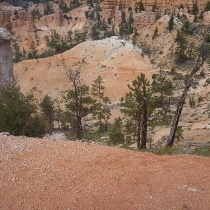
<point x="160" y="4"/>
<point x="113" y="8"/>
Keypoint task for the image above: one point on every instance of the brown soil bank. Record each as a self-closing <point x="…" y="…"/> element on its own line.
<point x="48" y="174"/>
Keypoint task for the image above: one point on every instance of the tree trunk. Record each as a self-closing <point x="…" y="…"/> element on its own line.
<point x="181" y="102"/>
<point x="78" y="117"/>
<point x="144" y="118"/>
<point x="139" y="132"/>
<point x="79" y="128"/>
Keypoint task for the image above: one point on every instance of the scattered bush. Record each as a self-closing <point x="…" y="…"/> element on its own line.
<point x="167" y="151"/>
<point x="202" y="151"/>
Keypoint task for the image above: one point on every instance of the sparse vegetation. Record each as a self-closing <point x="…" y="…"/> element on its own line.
<point x="202" y="151"/>
<point x="181" y="55"/>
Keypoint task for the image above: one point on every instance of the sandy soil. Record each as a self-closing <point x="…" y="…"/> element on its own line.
<point x="49" y="174"/>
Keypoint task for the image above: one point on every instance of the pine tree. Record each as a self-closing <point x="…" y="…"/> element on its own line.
<point x="18" y="54"/>
<point x="207" y="8"/>
<point x="101" y="112"/>
<point x="192" y="102"/>
<point x="116" y="135"/>
<point x="180" y="52"/>
<point x="171" y="23"/>
<point x="47" y="107"/>
<point x="137" y="108"/>
<point x="78" y="102"/>
<point x="155" y="33"/>
<point x="18" y="113"/>
<point x="163" y="90"/>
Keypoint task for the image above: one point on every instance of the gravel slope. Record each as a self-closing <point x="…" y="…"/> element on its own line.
<point x="49" y="174"/>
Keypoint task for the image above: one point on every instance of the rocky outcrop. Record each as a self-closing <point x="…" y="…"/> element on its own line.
<point x="25" y="19"/>
<point x="144" y="19"/>
<point x="6" y="64"/>
<point x="148" y="17"/>
<point x="166" y="4"/>
<point x="58" y="17"/>
<point x="4" y="18"/>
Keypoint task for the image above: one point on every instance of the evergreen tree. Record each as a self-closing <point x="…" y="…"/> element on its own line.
<point x="171" y="23"/>
<point x="139" y="6"/>
<point x="155" y="33"/>
<point x="95" y="33"/>
<point x="130" y="21"/>
<point x="106" y="112"/>
<point x="47" y="107"/>
<point x="137" y="108"/>
<point x="192" y="102"/>
<point x="154" y="7"/>
<point x="180" y="52"/>
<point x="207" y="8"/>
<point x="134" y="38"/>
<point x="33" y="53"/>
<point x="195" y="9"/>
<point x="48" y="9"/>
<point x="64" y="7"/>
<point x="78" y="102"/>
<point x="101" y="112"/>
<point x="18" y="55"/>
<point x="18" y="113"/>
<point x="191" y="51"/>
<point x="187" y="28"/>
<point x="116" y="135"/>
<point x="163" y="90"/>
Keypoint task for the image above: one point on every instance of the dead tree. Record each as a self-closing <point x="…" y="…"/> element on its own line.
<point x="181" y="102"/>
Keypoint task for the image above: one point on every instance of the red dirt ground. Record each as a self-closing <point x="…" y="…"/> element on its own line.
<point x="49" y="174"/>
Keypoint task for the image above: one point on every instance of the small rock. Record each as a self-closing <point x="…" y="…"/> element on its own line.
<point x="192" y="189"/>
<point x="5" y="134"/>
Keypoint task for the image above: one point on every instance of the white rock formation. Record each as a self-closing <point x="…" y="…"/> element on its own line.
<point x="6" y="64"/>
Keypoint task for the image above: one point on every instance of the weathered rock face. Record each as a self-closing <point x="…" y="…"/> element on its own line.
<point x="58" y="17"/>
<point x="6" y="64"/>
<point x="25" y="19"/>
<point x="166" y="4"/>
<point x="148" y="17"/>
<point x="4" y="18"/>
<point x="144" y="19"/>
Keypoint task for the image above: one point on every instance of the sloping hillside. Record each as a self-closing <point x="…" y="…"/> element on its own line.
<point x="117" y="61"/>
<point x="49" y="174"/>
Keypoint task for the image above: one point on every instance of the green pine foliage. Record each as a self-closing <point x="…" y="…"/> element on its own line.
<point x="63" y="6"/>
<point x="163" y="90"/>
<point x="18" y="113"/>
<point x="192" y="102"/>
<point x="18" y="56"/>
<point x="101" y="110"/>
<point x="139" y="6"/>
<point x="171" y="23"/>
<point x="47" y="107"/>
<point x="207" y="8"/>
<point x="180" y="52"/>
<point x="48" y="9"/>
<point x="138" y="106"/>
<point x="116" y="135"/>
<point x="78" y="103"/>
